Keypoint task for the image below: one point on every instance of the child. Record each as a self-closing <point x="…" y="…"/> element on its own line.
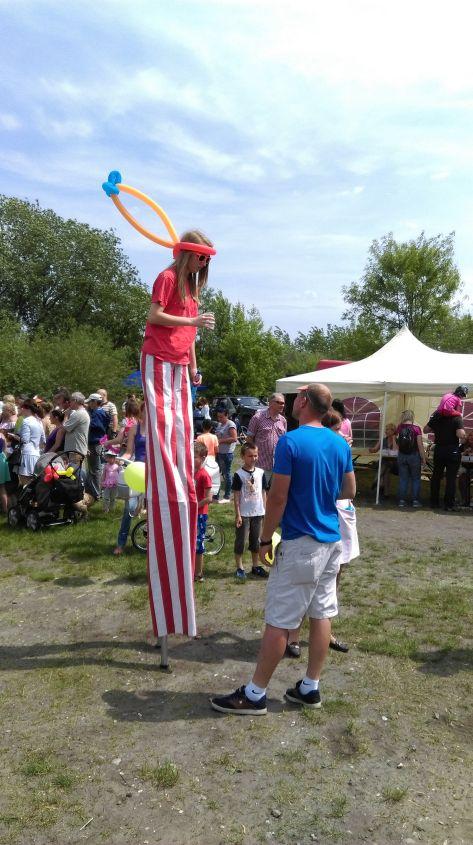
<point x="451" y="404"/>
<point x="249" y="497"/>
<point x="210" y="440"/>
<point x="109" y="482"/>
<point x="203" y="489"/>
<point x="347" y="522"/>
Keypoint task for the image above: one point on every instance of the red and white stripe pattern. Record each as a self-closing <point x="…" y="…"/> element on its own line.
<point x="170" y="494"/>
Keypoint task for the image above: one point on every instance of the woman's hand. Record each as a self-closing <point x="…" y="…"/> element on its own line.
<point x="196" y="377"/>
<point x="204" y="321"/>
<point x="238" y="521"/>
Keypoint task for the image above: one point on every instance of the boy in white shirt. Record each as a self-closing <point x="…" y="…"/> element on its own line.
<point x="249" y="497"/>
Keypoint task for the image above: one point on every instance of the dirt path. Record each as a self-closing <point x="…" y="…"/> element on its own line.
<point x="94" y="730"/>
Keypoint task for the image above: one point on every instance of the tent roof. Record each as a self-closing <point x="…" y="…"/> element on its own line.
<point x="403" y="365"/>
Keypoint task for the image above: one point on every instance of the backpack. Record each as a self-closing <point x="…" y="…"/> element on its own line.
<point x="407" y="440"/>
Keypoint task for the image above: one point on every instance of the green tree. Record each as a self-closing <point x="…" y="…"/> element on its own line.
<point x="240" y="355"/>
<point x="412" y="283"/>
<point x="349" y="342"/>
<point x="57" y="273"/>
<point x="83" y="359"/>
<point x="293" y="357"/>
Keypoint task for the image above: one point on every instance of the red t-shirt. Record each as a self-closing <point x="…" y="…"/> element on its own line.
<point x="171" y="343"/>
<point x="202" y="482"/>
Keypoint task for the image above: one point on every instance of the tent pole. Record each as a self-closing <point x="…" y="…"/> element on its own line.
<point x="381" y="432"/>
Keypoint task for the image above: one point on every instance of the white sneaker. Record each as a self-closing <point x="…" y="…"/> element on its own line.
<point x="223" y="501"/>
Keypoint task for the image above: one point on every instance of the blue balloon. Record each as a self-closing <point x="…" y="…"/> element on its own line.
<point x="110" y="186"/>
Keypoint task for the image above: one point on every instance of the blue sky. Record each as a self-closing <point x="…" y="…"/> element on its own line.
<point x="293" y="133"/>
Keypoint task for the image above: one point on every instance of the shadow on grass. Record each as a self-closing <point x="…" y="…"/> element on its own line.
<point x="444" y="662"/>
<point x="214" y="648"/>
<point x="72" y="581"/>
<point x="166" y="706"/>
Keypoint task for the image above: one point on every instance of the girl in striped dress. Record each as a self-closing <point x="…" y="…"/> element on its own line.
<point x="168" y="368"/>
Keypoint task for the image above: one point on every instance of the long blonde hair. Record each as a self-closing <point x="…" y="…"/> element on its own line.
<point x="194" y="282"/>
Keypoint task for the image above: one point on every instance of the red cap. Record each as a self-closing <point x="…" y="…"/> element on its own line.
<point x="187" y="246"/>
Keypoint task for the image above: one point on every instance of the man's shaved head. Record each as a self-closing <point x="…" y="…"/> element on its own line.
<point x="319" y="397"/>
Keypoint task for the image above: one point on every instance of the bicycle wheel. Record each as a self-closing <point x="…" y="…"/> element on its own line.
<point x="214" y="539"/>
<point x="139" y="535"/>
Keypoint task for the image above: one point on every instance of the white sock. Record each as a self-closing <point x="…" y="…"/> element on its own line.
<point x="308" y="685"/>
<point x="253" y="692"/>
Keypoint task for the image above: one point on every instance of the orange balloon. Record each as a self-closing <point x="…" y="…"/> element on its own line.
<point x="128" y="189"/>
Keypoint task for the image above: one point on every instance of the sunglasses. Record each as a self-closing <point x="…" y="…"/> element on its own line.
<point x="204" y="259"/>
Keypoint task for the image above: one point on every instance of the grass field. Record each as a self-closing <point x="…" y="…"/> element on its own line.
<point x="99" y="745"/>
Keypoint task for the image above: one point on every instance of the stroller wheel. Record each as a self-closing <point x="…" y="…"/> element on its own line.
<point x="33" y="521"/>
<point x="14" y="517"/>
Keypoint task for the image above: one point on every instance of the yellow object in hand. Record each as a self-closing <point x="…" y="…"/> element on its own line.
<point x="275" y="540"/>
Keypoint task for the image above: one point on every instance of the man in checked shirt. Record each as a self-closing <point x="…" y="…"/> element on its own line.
<point x="264" y="431"/>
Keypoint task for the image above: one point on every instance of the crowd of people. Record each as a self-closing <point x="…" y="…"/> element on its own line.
<point x="92" y="432"/>
<point x="404" y="454"/>
<point x="70" y="424"/>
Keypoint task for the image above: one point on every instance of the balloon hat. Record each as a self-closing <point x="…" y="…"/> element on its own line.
<point x="112" y="188"/>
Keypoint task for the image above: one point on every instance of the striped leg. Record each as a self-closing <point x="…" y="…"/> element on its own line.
<point x="171" y="501"/>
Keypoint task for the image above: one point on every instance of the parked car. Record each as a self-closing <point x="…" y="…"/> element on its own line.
<point x="244" y="407"/>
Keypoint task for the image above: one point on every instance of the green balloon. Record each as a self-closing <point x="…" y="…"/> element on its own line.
<point x="134" y="476"/>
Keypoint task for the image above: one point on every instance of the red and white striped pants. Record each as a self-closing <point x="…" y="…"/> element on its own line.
<point x="170" y="495"/>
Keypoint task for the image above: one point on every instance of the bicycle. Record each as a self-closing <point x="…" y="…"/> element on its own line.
<point x="214" y="537"/>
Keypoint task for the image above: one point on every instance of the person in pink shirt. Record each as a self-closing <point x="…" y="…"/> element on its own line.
<point x="203" y="489"/>
<point x="451" y="404"/>
<point x="345" y="428"/>
<point x="264" y="431"/>
<point x="109" y="481"/>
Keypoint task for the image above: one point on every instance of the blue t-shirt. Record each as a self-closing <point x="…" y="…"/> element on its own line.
<point x="316" y="459"/>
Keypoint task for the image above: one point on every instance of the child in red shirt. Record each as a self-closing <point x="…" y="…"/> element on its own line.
<point x="203" y="489"/>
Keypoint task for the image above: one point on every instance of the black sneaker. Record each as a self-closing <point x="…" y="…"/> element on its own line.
<point x="310" y="699"/>
<point x="238" y="704"/>
<point x="259" y="571"/>
<point x="336" y="645"/>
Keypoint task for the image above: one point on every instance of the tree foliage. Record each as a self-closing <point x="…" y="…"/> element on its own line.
<point x="74" y="309"/>
<point x="406" y="284"/>
<point x="81" y="358"/>
<point x="240" y="355"/>
<point x="57" y="273"/>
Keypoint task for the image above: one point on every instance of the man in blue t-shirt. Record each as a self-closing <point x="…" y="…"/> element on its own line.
<point x="312" y="469"/>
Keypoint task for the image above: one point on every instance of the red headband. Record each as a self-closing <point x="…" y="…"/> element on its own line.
<point x="187" y="246"/>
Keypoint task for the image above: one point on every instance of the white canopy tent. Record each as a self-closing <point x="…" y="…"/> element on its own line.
<point x="402" y="374"/>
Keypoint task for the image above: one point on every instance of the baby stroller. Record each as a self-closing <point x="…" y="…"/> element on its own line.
<point x="49" y="498"/>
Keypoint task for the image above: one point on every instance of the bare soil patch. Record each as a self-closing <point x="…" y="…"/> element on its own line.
<point x="93" y="730"/>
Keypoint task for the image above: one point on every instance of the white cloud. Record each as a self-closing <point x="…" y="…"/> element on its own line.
<point x="9" y="122"/>
<point x="296" y="133"/>
<point x="66" y="128"/>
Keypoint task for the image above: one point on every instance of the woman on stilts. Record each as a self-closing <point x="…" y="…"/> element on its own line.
<point x="168" y="368"/>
